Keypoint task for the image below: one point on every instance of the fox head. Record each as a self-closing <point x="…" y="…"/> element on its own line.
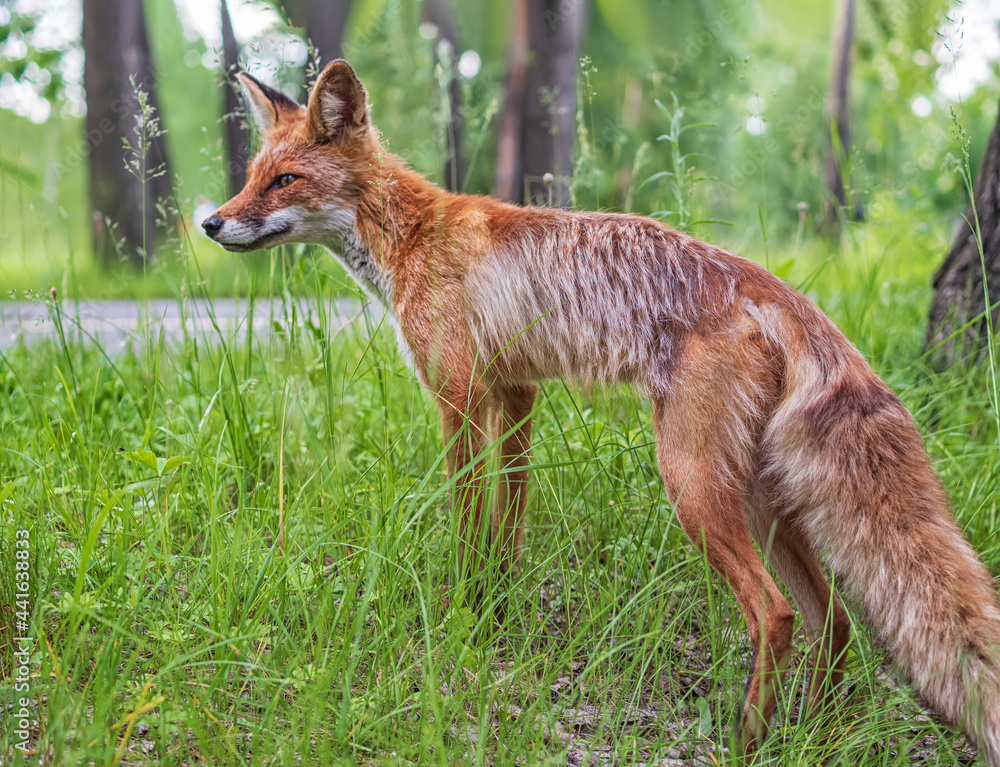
<point x="304" y="184"/>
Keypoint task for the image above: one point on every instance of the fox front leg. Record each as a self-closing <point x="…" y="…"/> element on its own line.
<point x="466" y="412"/>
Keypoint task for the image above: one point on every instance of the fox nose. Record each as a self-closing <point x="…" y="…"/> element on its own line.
<point x="212" y="225"/>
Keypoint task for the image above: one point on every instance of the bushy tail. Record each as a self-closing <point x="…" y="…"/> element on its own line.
<point x="925" y="595"/>
<point x="847" y="464"/>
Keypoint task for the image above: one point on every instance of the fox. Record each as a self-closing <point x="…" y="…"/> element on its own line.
<point x="771" y="427"/>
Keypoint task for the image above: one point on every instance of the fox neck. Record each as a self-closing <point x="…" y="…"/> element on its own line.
<point x="396" y="202"/>
<point x="392" y="203"/>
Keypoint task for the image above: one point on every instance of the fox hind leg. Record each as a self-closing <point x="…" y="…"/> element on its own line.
<point x="825" y="620"/>
<point x="712" y="514"/>
<point x="515" y="404"/>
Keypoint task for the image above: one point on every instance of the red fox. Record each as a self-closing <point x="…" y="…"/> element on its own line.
<point x="770" y="426"/>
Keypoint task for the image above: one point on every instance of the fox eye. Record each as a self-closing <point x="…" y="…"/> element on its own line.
<point x="284" y="180"/>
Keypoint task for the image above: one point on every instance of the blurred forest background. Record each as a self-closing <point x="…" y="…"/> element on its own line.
<point x="773" y="127"/>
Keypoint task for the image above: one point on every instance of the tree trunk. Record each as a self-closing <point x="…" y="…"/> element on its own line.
<point x="958" y="285"/>
<point x="124" y="209"/>
<point x="544" y="55"/>
<point x="439" y="13"/>
<point x="509" y="185"/>
<point x="838" y="116"/>
<point x="326" y="21"/>
<point x="554" y="31"/>
<point x="237" y="145"/>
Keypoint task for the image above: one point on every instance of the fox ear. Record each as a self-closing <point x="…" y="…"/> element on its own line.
<point x="338" y="104"/>
<point x="266" y="106"/>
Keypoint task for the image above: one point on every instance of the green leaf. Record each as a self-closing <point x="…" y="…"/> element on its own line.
<point x="704" y="718"/>
<point x="141" y="486"/>
<point x="175" y="462"/>
<point x="718" y="221"/>
<point x="144" y="458"/>
<point x="460" y="621"/>
<point x="654" y="177"/>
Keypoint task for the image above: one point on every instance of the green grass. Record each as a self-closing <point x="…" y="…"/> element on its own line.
<point x="241" y="555"/>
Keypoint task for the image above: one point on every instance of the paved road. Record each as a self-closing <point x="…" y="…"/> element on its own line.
<point x="117" y="324"/>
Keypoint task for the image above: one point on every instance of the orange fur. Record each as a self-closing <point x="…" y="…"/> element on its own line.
<point x="770" y="427"/>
